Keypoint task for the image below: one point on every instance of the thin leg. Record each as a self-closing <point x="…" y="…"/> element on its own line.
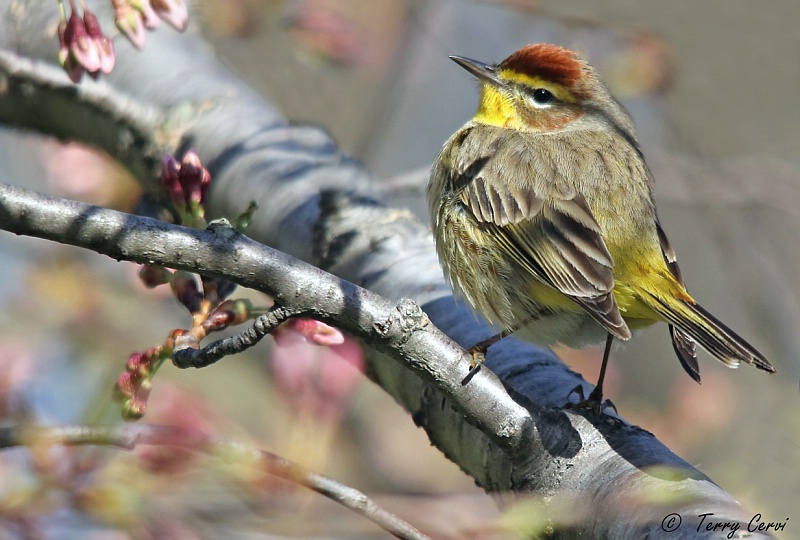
<point x="595" y="401"/>
<point x="481" y="347"/>
<point x="597" y="394"/>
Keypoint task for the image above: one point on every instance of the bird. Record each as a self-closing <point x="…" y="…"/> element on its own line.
<point x="543" y="215"/>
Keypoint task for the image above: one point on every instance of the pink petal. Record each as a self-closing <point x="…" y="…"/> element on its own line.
<point x="316" y="331"/>
<point x="173" y="12"/>
<point x="130" y="23"/>
<point x="107" y="57"/>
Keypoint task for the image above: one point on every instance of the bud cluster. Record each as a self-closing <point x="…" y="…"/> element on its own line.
<point x="133" y="386"/>
<point x="205" y="297"/>
<point x="82" y="45"/>
<point x="187" y="183"/>
<point x="211" y="312"/>
<point x="134" y="16"/>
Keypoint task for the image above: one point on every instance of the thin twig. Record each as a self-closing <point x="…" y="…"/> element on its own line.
<point x="213" y="352"/>
<point x="129" y="436"/>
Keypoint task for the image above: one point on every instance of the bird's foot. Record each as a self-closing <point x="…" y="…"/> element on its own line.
<point x="478" y="354"/>
<point x="594" y="402"/>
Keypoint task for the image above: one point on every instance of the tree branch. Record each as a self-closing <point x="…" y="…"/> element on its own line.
<point x="39" y="96"/>
<point x="401" y="330"/>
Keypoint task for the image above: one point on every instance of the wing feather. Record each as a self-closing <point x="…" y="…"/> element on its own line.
<point x="555" y="238"/>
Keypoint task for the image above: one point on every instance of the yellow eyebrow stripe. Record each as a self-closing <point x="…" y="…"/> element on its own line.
<point x="560" y="91"/>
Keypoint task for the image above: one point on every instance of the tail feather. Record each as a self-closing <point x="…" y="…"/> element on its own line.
<point x="690" y="323"/>
<point x="711" y="333"/>
<point x="686" y="350"/>
<point x="685" y="347"/>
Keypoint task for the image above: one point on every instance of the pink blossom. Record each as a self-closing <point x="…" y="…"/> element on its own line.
<point x="316" y="380"/>
<point x="315" y="331"/>
<point x="130" y="23"/>
<point x="105" y="48"/>
<point x="173" y="12"/>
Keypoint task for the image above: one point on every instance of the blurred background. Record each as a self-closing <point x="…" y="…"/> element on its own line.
<point x="712" y="87"/>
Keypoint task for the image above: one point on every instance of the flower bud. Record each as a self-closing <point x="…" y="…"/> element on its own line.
<point x="136" y="406"/>
<point x="125" y="386"/>
<point x="129" y="21"/>
<point x="217" y="288"/>
<point x="195" y="179"/>
<point x="173" y="12"/>
<point x="149" y="16"/>
<point x="73" y="68"/>
<point x="184" y="287"/>
<point x="170" y="177"/>
<point x="314" y="331"/>
<point x="229" y="313"/>
<point x="82" y="48"/>
<point x="153" y="275"/>
<point x="105" y="47"/>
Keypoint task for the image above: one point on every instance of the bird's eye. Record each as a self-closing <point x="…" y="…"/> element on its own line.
<point x="542" y="96"/>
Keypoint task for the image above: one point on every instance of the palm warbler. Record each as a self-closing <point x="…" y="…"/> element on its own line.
<point x="544" y="220"/>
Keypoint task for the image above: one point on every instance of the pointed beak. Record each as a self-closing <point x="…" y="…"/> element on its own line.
<point x="484" y="72"/>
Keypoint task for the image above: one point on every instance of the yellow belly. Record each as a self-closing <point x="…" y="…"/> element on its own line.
<point x="636" y="313"/>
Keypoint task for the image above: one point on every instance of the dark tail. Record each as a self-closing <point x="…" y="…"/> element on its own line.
<point x="690" y="323"/>
<point x="711" y="333"/>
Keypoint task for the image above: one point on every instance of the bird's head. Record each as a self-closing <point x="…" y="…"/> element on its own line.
<point x="543" y="88"/>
